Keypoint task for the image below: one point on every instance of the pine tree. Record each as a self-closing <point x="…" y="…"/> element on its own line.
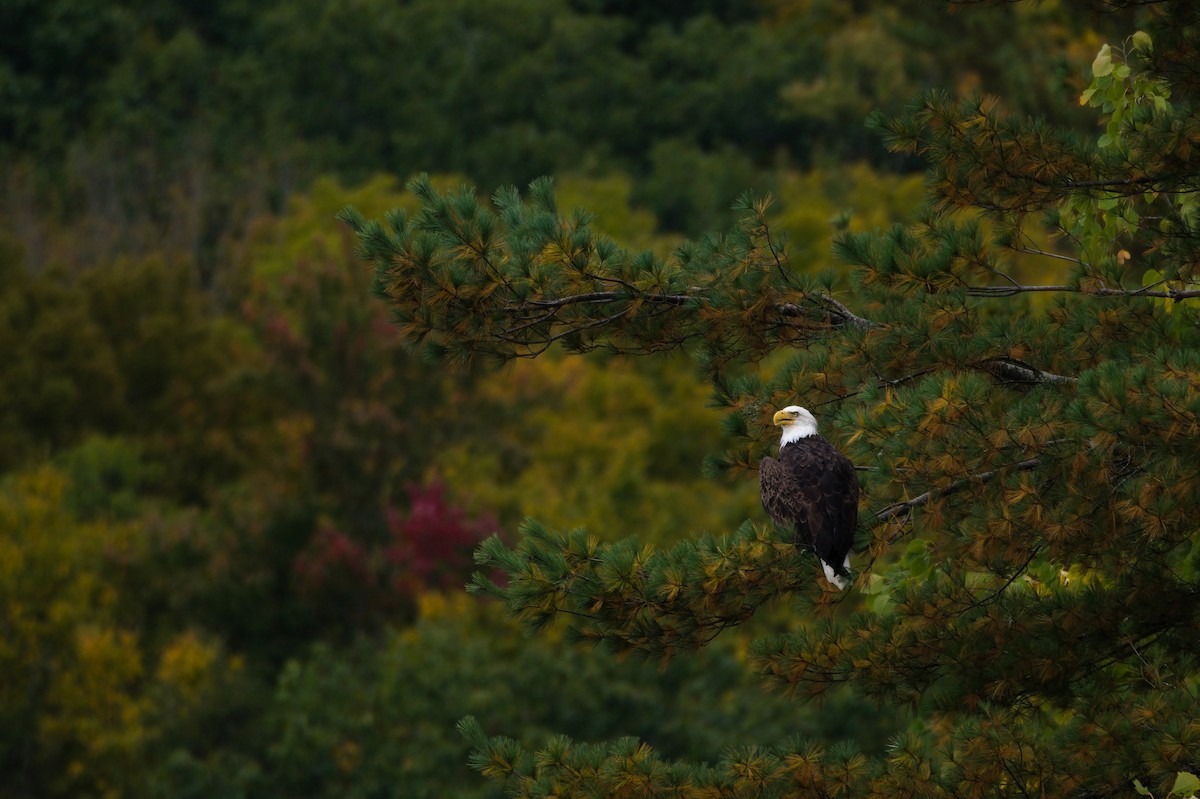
<point x="1017" y="373"/>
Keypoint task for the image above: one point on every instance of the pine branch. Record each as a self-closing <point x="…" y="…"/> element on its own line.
<point x="1017" y="371"/>
<point x="630" y="768"/>
<point x="1100" y="291"/>
<point x="895" y="509"/>
<point x="849" y="316"/>
<point x="637" y="600"/>
<point x="465" y="280"/>
<point x="655" y="604"/>
<point x="601" y="297"/>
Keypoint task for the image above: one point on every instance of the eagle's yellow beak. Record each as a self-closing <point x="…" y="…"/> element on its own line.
<point x="783" y="419"/>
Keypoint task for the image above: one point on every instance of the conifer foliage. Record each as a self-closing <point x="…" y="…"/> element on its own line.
<point x="1017" y="371"/>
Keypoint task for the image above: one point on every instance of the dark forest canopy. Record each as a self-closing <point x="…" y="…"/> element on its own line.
<point x="171" y="123"/>
<point x="357" y="83"/>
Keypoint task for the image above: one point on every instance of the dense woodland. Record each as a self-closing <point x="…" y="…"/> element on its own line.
<point x="250" y="455"/>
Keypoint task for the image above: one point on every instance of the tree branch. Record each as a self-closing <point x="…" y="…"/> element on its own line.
<point x="1008" y="291"/>
<point x="847" y="314"/>
<point x="606" y="296"/>
<point x="895" y="509"/>
<point x="1018" y="371"/>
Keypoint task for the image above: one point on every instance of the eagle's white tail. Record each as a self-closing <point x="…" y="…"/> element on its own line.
<point x="837" y="581"/>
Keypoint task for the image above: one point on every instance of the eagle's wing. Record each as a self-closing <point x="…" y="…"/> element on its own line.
<point x="833" y="532"/>
<point x="786" y="500"/>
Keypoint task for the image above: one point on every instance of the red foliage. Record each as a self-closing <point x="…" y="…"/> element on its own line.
<point x="435" y="541"/>
<point x="427" y="548"/>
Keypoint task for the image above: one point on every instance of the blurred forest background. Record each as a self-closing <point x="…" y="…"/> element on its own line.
<point x="236" y="517"/>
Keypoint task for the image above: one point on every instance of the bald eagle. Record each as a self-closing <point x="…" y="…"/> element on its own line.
<point x="812" y="488"/>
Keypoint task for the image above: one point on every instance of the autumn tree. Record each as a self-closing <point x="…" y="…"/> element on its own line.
<point x="1017" y="374"/>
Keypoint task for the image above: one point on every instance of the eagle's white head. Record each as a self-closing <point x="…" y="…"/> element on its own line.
<point x="796" y="422"/>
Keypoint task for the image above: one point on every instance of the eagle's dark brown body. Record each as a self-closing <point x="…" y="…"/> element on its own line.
<point x="813" y="489"/>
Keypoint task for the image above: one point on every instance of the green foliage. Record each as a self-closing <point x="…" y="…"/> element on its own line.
<point x="690" y="188"/>
<point x="629" y="768"/>
<point x="54" y="54"/>
<point x="634" y="599"/>
<point x="1186" y="785"/>
<point x="1141" y="126"/>
<point x="55" y="379"/>
<point x="381" y="716"/>
<point x="466" y="280"/>
<point x="107" y="478"/>
<point x="129" y="350"/>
